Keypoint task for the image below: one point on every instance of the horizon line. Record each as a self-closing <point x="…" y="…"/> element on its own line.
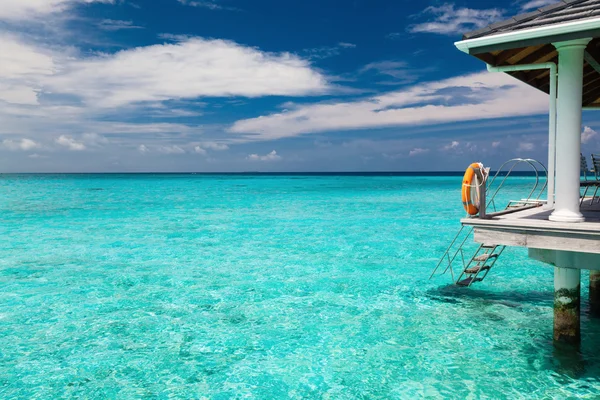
<point x="248" y="173"/>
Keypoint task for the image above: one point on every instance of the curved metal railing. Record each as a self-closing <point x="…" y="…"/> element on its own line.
<point x="535" y="165"/>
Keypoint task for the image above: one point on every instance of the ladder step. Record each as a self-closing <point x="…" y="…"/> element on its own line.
<point x="477" y="269"/>
<point x="485" y="257"/>
<point x="492" y="246"/>
<point x="468" y="281"/>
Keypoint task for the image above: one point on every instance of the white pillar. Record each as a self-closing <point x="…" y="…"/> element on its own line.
<point x="568" y="137"/>
<point x="552" y="138"/>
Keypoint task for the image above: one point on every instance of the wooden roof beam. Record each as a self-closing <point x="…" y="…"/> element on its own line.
<point x="528" y="78"/>
<point x="534" y="76"/>
<point x="592" y="81"/>
<point x="591" y="96"/>
<point x="543" y="54"/>
<point x="487" y="58"/>
<point x="592" y="59"/>
<point x="506" y="55"/>
<point x="589" y="76"/>
<point x="541" y="73"/>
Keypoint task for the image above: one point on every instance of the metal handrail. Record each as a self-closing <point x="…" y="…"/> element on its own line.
<point x="452" y="252"/>
<point x="516" y="161"/>
<point x="449" y="250"/>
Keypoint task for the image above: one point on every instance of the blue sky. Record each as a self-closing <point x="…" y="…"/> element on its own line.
<point x="238" y="85"/>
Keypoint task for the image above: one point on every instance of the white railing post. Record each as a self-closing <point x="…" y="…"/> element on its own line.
<point x="482" y="194"/>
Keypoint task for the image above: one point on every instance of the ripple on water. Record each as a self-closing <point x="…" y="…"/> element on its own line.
<point x="265" y="287"/>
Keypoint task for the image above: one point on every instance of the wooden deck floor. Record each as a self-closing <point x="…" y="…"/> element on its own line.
<point x="531" y="228"/>
<point x="537" y="218"/>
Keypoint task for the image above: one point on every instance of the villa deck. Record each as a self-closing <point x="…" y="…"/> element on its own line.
<point x="531" y="228"/>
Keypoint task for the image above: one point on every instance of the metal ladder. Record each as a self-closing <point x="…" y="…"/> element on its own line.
<point x="476" y="266"/>
<point x="480" y="264"/>
<point x="473" y="267"/>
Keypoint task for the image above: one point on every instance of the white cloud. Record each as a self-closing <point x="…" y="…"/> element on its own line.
<point x="496" y="144"/>
<point x="396" y="35"/>
<point x="19" y="59"/>
<point x="22" y="144"/>
<point x="142" y="128"/>
<point x="471" y="146"/>
<point x="116" y="25"/>
<point x="40" y="88"/>
<point x="200" y="150"/>
<point x="22" y="67"/>
<point x="533" y="4"/>
<point x="174" y="149"/>
<point x="417" y="151"/>
<point x="464" y="98"/>
<point x="393" y="156"/>
<point x="18" y="94"/>
<point x="165" y="112"/>
<point x="398" y="70"/>
<point x="449" y="21"/>
<point x="588" y="135"/>
<point x="63" y="98"/>
<point x="94" y="139"/>
<point x="70" y="143"/>
<point x="272" y="156"/>
<point x="204" y="68"/>
<point x="26" y="9"/>
<point x="525" y="146"/>
<point x="327" y="51"/>
<point x="215" y="146"/>
<point x="452" y="146"/>
<point x="211" y="5"/>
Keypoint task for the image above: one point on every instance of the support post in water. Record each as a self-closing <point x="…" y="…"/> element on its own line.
<point x="567" y="305"/>
<point x="595" y="293"/>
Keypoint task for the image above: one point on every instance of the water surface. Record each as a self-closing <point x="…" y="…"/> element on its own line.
<point x="192" y="286"/>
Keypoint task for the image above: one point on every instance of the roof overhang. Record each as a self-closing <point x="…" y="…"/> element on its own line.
<point x="535" y="46"/>
<point x="588" y="28"/>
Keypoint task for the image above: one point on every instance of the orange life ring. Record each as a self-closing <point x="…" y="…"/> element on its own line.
<point x="470" y="194"/>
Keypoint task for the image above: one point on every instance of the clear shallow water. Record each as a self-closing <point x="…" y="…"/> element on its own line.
<point x="265" y="287"/>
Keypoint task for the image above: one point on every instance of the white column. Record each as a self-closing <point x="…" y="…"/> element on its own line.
<point x="552" y="138"/>
<point x="568" y="137"/>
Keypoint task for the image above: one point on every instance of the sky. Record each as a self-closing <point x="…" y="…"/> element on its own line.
<point x="261" y="85"/>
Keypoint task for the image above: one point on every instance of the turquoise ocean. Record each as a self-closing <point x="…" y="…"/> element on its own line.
<point x="266" y="287"/>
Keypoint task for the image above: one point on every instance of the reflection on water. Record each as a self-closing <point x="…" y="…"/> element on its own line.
<point x="568" y="361"/>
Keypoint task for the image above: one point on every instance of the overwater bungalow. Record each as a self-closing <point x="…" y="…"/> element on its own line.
<point x="555" y="49"/>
